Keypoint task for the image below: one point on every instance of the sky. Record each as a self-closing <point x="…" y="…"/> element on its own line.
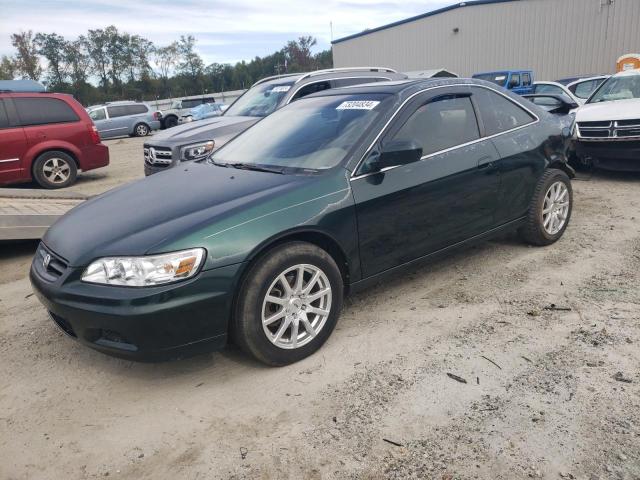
<point x="226" y="31"/>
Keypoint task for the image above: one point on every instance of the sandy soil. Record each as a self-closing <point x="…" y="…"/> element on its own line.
<point x="549" y="393"/>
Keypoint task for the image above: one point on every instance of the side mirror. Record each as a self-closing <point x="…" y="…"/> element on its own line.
<point x="559" y="104"/>
<point x="399" y="152"/>
<point x="514" y="82"/>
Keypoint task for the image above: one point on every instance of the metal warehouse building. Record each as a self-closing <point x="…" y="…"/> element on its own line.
<point x="555" y="38"/>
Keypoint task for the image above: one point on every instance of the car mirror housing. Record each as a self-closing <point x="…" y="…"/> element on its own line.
<point x="399" y="152"/>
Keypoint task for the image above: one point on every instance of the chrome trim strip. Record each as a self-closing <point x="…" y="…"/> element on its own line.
<point x="329" y="80"/>
<point x="356" y="177"/>
<point x="10" y="160"/>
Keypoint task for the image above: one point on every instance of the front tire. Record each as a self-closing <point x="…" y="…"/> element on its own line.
<point x="550" y="209"/>
<point x="141" y="130"/>
<point x="55" y="169"/>
<point x="288" y="304"/>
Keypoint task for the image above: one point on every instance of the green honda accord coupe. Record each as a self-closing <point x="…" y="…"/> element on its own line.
<point x="259" y="243"/>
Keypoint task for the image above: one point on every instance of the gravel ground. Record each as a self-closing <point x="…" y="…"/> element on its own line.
<point x="546" y="341"/>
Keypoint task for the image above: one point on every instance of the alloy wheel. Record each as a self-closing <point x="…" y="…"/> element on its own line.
<point x="296" y="306"/>
<point x="56" y="170"/>
<point x="555" y="208"/>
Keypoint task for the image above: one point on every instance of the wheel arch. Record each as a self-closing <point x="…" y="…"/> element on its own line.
<point x="42" y="151"/>
<point x="564" y="166"/>
<point x="316" y="237"/>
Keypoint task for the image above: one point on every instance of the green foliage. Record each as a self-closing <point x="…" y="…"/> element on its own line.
<point x="26" y="60"/>
<point x="121" y="65"/>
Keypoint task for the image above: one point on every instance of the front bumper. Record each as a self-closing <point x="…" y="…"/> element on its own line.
<point x="145" y="324"/>
<point x="610" y="155"/>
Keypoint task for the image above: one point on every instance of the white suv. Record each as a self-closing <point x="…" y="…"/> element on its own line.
<point x="608" y="125"/>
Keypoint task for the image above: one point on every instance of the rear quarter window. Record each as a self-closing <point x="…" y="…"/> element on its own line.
<point x="498" y="113"/>
<point x="43" y="111"/>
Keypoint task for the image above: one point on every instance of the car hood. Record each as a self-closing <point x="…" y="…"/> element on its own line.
<point x="608" y="111"/>
<point x="151" y="214"/>
<point x="210" y="129"/>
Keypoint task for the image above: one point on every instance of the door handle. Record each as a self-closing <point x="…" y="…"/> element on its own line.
<point x="485" y="162"/>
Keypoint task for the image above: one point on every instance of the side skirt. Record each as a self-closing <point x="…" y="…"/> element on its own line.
<point x="369" y="281"/>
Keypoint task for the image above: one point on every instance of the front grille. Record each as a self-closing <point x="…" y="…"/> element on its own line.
<point x="52" y="265"/>
<point x="158" y="156"/>
<point x="629" y="123"/>
<point x="620" y="129"/>
<point x="595" y="124"/>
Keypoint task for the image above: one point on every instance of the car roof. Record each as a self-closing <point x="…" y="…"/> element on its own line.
<point x="21" y="86"/>
<point x="295" y="78"/>
<point x="628" y="73"/>
<point x="115" y="103"/>
<point x="568" y="80"/>
<point x="407" y="87"/>
<point x="521" y="70"/>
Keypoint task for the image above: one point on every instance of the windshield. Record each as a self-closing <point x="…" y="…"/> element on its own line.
<point x="499" y="78"/>
<point x="617" y="88"/>
<point x="259" y="101"/>
<point x="310" y="134"/>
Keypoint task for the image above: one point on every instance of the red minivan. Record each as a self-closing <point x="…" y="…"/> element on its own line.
<point x="46" y="137"/>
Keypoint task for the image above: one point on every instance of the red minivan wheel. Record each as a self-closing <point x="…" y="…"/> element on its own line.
<point x="55" y="169"/>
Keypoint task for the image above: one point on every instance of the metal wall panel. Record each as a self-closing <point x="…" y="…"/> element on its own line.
<point x="555" y="38"/>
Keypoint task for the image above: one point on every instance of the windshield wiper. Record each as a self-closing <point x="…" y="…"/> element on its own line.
<point x="257" y="168"/>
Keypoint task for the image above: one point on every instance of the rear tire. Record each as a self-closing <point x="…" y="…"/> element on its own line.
<point x="280" y="324"/>
<point x="141" y="130"/>
<point x="55" y="169"/>
<point x="550" y="209"/>
<point x="171" y="121"/>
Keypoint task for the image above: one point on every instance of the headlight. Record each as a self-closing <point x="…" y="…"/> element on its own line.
<point x="145" y="271"/>
<point x="197" y="151"/>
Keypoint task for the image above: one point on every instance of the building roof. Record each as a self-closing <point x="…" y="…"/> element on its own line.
<point x="418" y="17"/>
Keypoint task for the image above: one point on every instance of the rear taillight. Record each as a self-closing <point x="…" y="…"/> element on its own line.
<point x="95" y="135"/>
<point x="157" y="115"/>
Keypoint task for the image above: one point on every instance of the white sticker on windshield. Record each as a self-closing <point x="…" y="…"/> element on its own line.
<point x="358" y="105"/>
<point x="284" y="88"/>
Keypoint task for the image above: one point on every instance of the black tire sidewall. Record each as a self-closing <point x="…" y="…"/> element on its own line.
<point x="38" y="172"/>
<point x="248" y="330"/>
<point x="170" y="122"/>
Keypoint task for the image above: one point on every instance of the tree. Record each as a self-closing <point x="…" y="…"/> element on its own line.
<point x="191" y="64"/>
<point x="52" y="47"/>
<point x="7" y="68"/>
<point x="96" y="42"/>
<point x="26" y="60"/>
<point x="299" y="54"/>
<point x="77" y="58"/>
